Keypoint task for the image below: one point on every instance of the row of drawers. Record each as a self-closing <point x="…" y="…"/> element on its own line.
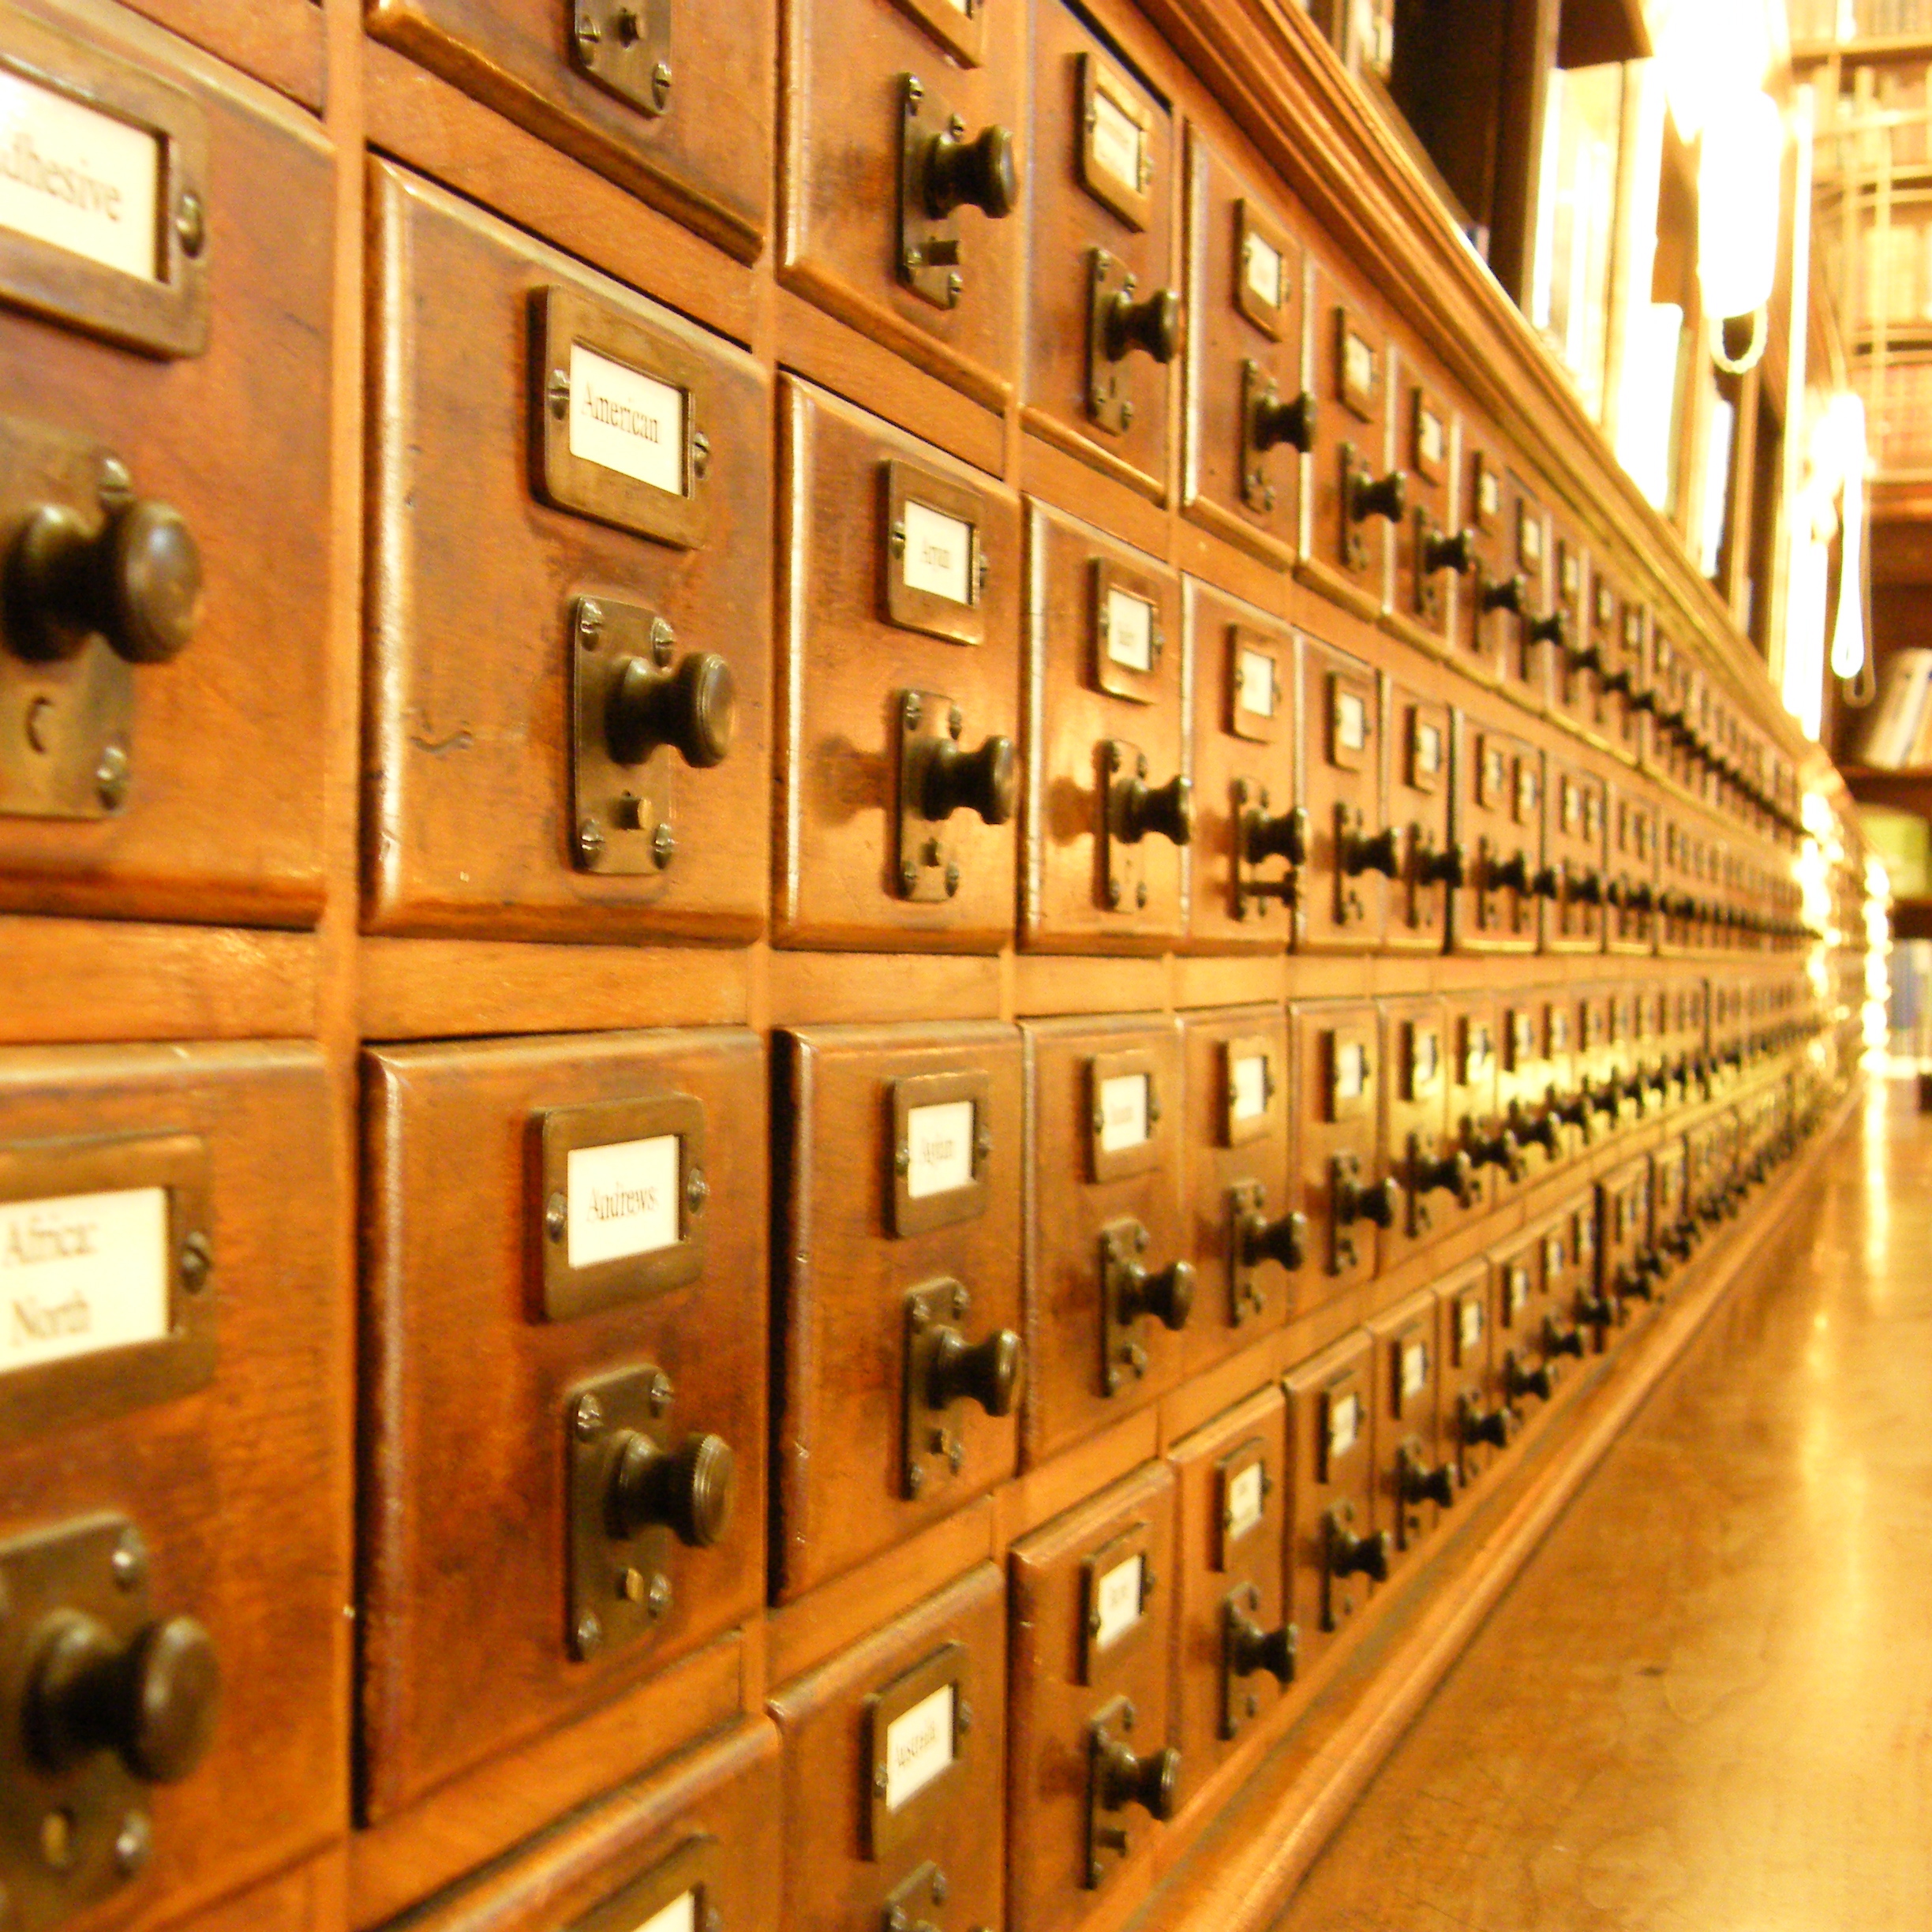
<point x="557" y="1420"/>
<point x="964" y="711"/>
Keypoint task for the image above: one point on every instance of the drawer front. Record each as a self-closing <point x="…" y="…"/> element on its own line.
<point x="1104" y="313"/>
<point x="903" y="179"/>
<point x="1436" y="1176"/>
<point x="1520" y="628"/>
<point x="1530" y="1347"/>
<point x="1417" y="1477"/>
<point x="1576" y="849"/>
<point x="1236" y="1653"/>
<point x="1093" y="1768"/>
<point x="1576" y="644"/>
<point x="1249" y="417"/>
<point x="895" y="1768"/>
<point x="1107" y="804"/>
<point x="1249" y="1237"/>
<point x="1631" y="922"/>
<point x="1355" y="493"/>
<point x="1336" y="1551"/>
<point x="588" y="690"/>
<point x="899" y="691"/>
<point x="581" y="1320"/>
<point x="1478" y="1420"/>
<point x="1240" y="865"/>
<point x="1428" y="560"/>
<point x="1626" y="1268"/>
<point x="1417" y="740"/>
<point x="177" y="1356"/>
<point x="170" y="423"/>
<point x="1111" y="1286"/>
<point x="1569" y="1245"/>
<point x="674" y="102"/>
<point x="901" y="1363"/>
<point x="1353" y="855"/>
<point x="1535" y="1076"/>
<point x="1347" y="1195"/>
<point x="1473" y="1031"/>
<point x="278" y="41"/>
<point x="1484" y="619"/>
<point x="1498" y="821"/>
<point x="697" y="1844"/>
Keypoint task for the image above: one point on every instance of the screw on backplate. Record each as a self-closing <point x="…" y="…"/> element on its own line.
<point x="591" y="839"/>
<point x="197" y="1257"/>
<point x="664" y="844"/>
<point x="880" y="1780"/>
<point x="700" y="454"/>
<point x="660" y="1392"/>
<point x="133" y="1843"/>
<point x="559" y="393"/>
<point x="660" y="84"/>
<point x="1127" y="415"/>
<point x="1140" y="892"/>
<point x="589" y="621"/>
<point x="961" y="1301"/>
<point x="110" y="775"/>
<point x="589" y="1632"/>
<point x="588" y="34"/>
<point x="955" y="285"/>
<point x="902" y="1158"/>
<point x="556" y="1216"/>
<point x="657" y="1599"/>
<point x="956" y="1454"/>
<point x="915" y="92"/>
<point x="129" y="1561"/>
<point x="910" y="711"/>
<point x="956" y="720"/>
<point x="963" y="1717"/>
<point x="915" y="1479"/>
<point x="952" y="880"/>
<point x="697" y="1190"/>
<point x="663" y="638"/>
<point x="589" y="1417"/>
<point x="114" y="485"/>
<point x="895" y="1918"/>
<point x="190" y="224"/>
<point x="908" y="874"/>
<point x="940" y="1887"/>
<point x="918" y="1317"/>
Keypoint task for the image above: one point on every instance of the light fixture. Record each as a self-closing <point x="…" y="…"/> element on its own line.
<point x="1845" y="453"/>
<point x="1740" y="171"/>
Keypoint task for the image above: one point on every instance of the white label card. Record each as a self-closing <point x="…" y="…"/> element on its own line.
<point x="1470" y="1325"/>
<point x="83" y="1273"/>
<point x="918" y="1746"/>
<point x="1123" y="1112"/>
<point x="1130" y="630"/>
<point x="1351" y="1069"/>
<point x="1351" y="721"/>
<point x="1345" y="1415"/>
<point x="1117" y="1601"/>
<point x="1116" y="139"/>
<point x="1425" y="1060"/>
<point x="1489" y="494"/>
<point x="1428" y="749"/>
<point x="623" y="420"/>
<point x="939" y="554"/>
<point x="1248" y="1080"/>
<point x="939" y="1145"/>
<point x="1430" y="444"/>
<point x="1257" y="682"/>
<point x="623" y="1199"/>
<point x="679" y="1915"/>
<point x="1553" y="1255"/>
<point x="1476" y="1056"/>
<point x="1414" y="1368"/>
<point x="1519" y="1289"/>
<point x="1358" y="363"/>
<point x="1262" y="270"/>
<point x="78" y="179"/>
<point x="1244" y="1501"/>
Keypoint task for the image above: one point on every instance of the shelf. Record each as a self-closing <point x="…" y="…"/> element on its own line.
<point x="1909" y="789"/>
<point x="1874" y="48"/>
<point x="1911" y="918"/>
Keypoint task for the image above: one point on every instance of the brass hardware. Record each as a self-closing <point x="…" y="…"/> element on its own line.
<point x="1345" y="1554"/>
<point x="923" y="1888"/>
<point x="1131" y="1292"/>
<point x="1259" y="836"/>
<point x="910" y="488"/>
<point x="1100" y="1645"/>
<point x="1118" y="1777"/>
<point x="1268" y="422"/>
<point x="940" y="171"/>
<point x="1417" y="1481"/>
<point x="1237" y="1127"/>
<point x="1552" y="628"/>
<point x="887" y="1828"/>
<point x="1117" y="325"/>
<point x="1358" y="369"/>
<point x="624" y="46"/>
<point x="1452" y="1173"/>
<point x="943" y="1371"/>
<point x="632" y="707"/>
<point x="1351" y="1200"/>
<point x="1520" y="1381"/>
<point x="1475" y="1425"/>
<point x="1131" y="809"/>
<point x="692" y="1868"/>
<point x="1504" y="593"/>
<point x="1127" y="648"/>
<point x="934" y="779"/>
<point x="1246" y="1649"/>
<point x="1144" y="1155"/>
<point x="919" y="1214"/>
<point x="1500" y="1149"/>
<point x="100" y="1699"/>
<point x="1252" y="1238"/>
<point x="1258" y="237"/>
<point x="633" y="1484"/>
<point x="1108" y="103"/>
<point x="1435" y="552"/>
<point x="1357" y="851"/>
<point x="1365" y="496"/>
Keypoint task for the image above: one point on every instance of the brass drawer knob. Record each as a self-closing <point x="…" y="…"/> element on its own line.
<point x="1250" y="1648"/>
<point x="986" y="1372"/>
<point x="1289" y="421"/>
<point x="1167" y="809"/>
<point x="986" y="781"/>
<point x="1453" y="1174"/>
<point x="690" y="1489"/>
<point x="1150" y="1782"/>
<point x="1350" y="1555"/>
<point x="1166" y="1294"/>
<point x="1449" y="866"/>
<point x="1552" y="627"/>
<point x="1519" y="1380"/>
<point x="151" y="1701"/>
<point x="1284" y="1240"/>
<point x="1504" y="594"/>
<point x="136" y="582"/>
<point x="1493" y="1426"/>
<point x="1378" y="496"/>
<point x="1381" y="851"/>
<point x="981" y="173"/>
<point x="693" y="708"/>
<point x="1285" y="835"/>
<point x="1509" y="874"/>
<point x="1420" y="1484"/>
<point x="1447" y="551"/>
<point x="1378" y="1201"/>
<point x="1152" y="325"/>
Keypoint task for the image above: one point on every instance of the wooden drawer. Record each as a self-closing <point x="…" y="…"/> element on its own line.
<point x="895" y="1761"/>
<point x="1417" y="737"/>
<point x="1092" y="1766"/>
<point x="1104" y="317"/>
<point x="1354" y="495"/>
<point x="1626" y="1265"/>
<point x="1249" y="417"/>
<point x="1236" y="1652"/>
<point x="1240" y="864"/>
<point x="1438" y="1179"/>
<point x="1107" y="805"/>
<point x="1520" y="629"/>
<point x="1472" y="1031"/>
<point x="1110" y="1284"/>
<point x="1337" y="1144"/>
<point x="278" y="41"/>
<point x="1353" y="855"/>
<point x="1528" y="1341"/>
<point x="1336" y="1555"/>
<point x="580" y="1321"/>
<point x="1535" y="1075"/>
<point x="1415" y="1473"/>
<point x="1576" y="853"/>
<point x="1428" y="557"/>
<point x="1498" y="821"/>
<point x="697" y="1844"/>
<point x="174" y="1467"/>
<point x="1630" y="918"/>
<point x="899" y="1202"/>
<point x="170" y="421"/>
<point x="1478" y="1422"/>
<point x="1481" y="614"/>
<point x="555" y="711"/>
<point x="899" y="586"/>
<point x="903" y="179"/>
<point x="680" y="114"/>
<point x="1576" y="646"/>
<point x="1249" y="1237"/>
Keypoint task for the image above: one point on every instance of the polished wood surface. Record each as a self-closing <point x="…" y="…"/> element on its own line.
<point x="1695" y="1705"/>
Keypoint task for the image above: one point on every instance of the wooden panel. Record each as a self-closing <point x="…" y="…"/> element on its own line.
<point x="1417" y="1051"/>
<point x="705" y="157"/>
<point x="1342" y="905"/>
<point x="1338" y="1083"/>
<point x="1417" y="1477"/>
<point x="266" y="1430"/>
<point x="852" y="1852"/>
<point x="847" y="667"/>
<point x="1346" y="538"/>
<point x="1333" y="1542"/>
<point x="463" y="1361"/>
<point x="1418" y="737"/>
<point x="279" y="42"/>
<point x="472" y="826"/>
<point x="1472" y="1031"/>
<point x="1576" y="850"/>
<point x="220" y="810"/>
<point x="1498" y="821"/>
<point x="1479" y="1424"/>
<point x="850" y="1259"/>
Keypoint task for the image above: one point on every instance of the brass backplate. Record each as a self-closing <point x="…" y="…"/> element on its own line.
<point x="1123" y="1356"/>
<point x="624" y="46"/>
<point x="621" y="821"/>
<point x="1120" y="886"/>
<point x="1108" y="403"/>
<point x="934" y="1444"/>
<point x="1110" y="1838"/>
<point x="1251" y="894"/>
<point x="929" y="243"/>
<point x="1247" y="1299"/>
<point x="926" y="867"/>
<point x="1257" y="481"/>
<point x="1239" y="1705"/>
<point x="617" y="1589"/>
<point x="58" y="1830"/>
<point x="1353" y="539"/>
<point x="1428" y="592"/>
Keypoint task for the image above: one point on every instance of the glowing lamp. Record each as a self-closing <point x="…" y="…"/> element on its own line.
<point x="1739" y="178"/>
